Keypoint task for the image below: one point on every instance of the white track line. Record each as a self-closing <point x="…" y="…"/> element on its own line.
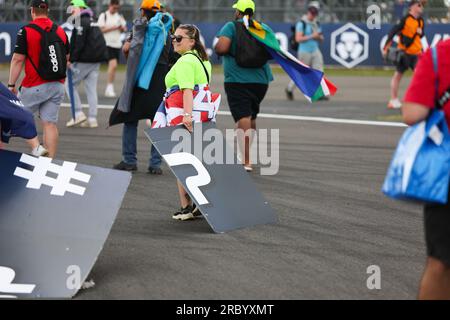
<point x="296" y="118"/>
<point x="100" y="106"/>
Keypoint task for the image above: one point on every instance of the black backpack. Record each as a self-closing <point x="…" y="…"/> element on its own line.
<point x="96" y="43"/>
<point x="250" y="53"/>
<point x="292" y="42"/>
<point x="53" y="57"/>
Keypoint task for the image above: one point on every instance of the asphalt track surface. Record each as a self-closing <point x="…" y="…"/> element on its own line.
<point x="334" y="221"/>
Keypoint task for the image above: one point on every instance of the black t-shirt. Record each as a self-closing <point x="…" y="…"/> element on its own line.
<point x="21" y="42"/>
<point x="21" y="46"/>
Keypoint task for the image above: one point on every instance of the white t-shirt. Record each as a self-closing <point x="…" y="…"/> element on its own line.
<point x="108" y="20"/>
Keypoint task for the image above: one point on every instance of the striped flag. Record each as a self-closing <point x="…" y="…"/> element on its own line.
<point x="312" y="83"/>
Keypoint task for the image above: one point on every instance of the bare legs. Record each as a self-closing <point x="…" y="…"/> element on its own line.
<point x="184" y="197"/>
<point x="112" y="67"/>
<point x="246" y="125"/>
<point x="395" y="84"/>
<point x="435" y="283"/>
<point x="51" y="137"/>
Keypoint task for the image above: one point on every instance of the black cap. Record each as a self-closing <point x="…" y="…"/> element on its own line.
<point x="43" y="4"/>
<point x="413" y="2"/>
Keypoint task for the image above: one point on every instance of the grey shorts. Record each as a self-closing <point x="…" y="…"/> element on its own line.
<point x="44" y="99"/>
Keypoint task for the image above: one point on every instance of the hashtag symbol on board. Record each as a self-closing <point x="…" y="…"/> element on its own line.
<point x="64" y="174"/>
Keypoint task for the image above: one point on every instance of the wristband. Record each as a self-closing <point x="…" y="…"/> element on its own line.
<point x="11" y="85"/>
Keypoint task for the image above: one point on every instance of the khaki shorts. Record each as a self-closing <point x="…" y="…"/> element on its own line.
<point x="312" y="59"/>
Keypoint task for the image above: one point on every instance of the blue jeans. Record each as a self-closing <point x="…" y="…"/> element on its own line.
<point x="129" y="146"/>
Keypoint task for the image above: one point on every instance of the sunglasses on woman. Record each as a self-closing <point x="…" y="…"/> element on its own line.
<point x="178" y="38"/>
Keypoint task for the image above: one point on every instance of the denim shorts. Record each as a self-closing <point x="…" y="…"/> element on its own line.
<point x="44" y="99"/>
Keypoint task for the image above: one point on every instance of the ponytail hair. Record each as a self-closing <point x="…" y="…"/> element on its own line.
<point x="248" y="12"/>
<point x="194" y="33"/>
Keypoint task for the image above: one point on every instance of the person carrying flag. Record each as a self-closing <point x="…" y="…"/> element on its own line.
<point x="42" y="89"/>
<point x="245" y="87"/>
<point x="188" y="98"/>
<point x="247" y="45"/>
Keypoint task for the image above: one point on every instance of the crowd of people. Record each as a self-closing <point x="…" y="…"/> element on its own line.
<point x="177" y="68"/>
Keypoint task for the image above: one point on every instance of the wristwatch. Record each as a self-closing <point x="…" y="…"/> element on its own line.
<point x="188" y="114"/>
<point x="11" y="85"/>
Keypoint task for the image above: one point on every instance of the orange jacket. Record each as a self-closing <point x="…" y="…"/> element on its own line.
<point x="410" y="39"/>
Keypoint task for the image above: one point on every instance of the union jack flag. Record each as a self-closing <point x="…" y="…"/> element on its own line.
<point x="170" y="112"/>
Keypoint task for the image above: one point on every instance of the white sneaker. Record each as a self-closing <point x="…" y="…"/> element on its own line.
<point x="394" y="104"/>
<point x="90" y="123"/>
<point x="39" y="151"/>
<point x="109" y="92"/>
<point x="79" y="119"/>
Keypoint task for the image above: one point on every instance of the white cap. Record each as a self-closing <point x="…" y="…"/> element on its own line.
<point x="314" y="4"/>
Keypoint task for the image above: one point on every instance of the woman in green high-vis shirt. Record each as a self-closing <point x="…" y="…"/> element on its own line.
<point x="192" y="70"/>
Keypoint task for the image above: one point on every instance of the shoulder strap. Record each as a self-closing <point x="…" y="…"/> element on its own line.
<point x="54" y="28"/>
<point x="303" y="22"/>
<point x="436" y="72"/>
<point x="238" y="23"/>
<point x="445" y="97"/>
<point x="203" y="65"/>
<point x="305" y="26"/>
<point x="41" y="31"/>
<point x="36" y="27"/>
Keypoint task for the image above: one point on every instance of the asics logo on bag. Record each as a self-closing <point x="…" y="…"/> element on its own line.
<point x="53" y="58"/>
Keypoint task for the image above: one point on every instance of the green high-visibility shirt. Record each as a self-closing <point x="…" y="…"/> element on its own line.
<point x="188" y="72"/>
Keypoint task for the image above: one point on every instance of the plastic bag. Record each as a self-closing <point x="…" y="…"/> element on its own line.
<point x="420" y="169"/>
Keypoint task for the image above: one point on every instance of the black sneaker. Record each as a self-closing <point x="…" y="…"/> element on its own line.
<point x="122" y="166"/>
<point x="155" y="171"/>
<point x="184" y="214"/>
<point x="289" y="95"/>
<point x="196" y="212"/>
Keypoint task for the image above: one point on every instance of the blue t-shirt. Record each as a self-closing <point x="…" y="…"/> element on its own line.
<point x="233" y="72"/>
<point x="307" y="29"/>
